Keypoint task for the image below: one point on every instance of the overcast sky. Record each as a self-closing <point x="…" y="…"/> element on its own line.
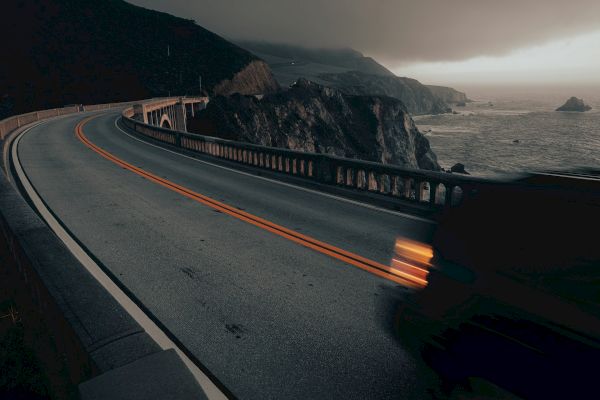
<point x="417" y="35"/>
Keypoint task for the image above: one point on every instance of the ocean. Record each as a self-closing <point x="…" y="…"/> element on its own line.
<point x="506" y="131"/>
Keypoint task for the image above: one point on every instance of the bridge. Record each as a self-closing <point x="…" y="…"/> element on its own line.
<point x="170" y="113"/>
<point x="265" y="271"/>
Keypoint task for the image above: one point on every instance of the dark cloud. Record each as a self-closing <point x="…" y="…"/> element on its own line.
<point x="394" y="31"/>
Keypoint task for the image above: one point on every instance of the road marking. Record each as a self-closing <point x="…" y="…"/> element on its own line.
<point x="160" y="337"/>
<point x="331" y="196"/>
<point x="10" y="139"/>
<point x="374" y="267"/>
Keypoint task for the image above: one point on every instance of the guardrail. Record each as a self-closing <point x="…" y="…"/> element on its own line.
<point x="429" y="188"/>
<point x="10" y="124"/>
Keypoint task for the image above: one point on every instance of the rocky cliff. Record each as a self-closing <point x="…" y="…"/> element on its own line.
<point x="255" y="78"/>
<point x="448" y="95"/>
<point x="353" y="73"/>
<point x="57" y="52"/>
<point x="314" y="118"/>
<point x="417" y="98"/>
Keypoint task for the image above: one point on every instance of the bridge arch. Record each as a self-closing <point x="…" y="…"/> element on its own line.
<point x="165" y="122"/>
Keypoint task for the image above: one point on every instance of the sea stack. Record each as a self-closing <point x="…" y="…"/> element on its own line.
<point x="574" y="104"/>
<point x="459" y="168"/>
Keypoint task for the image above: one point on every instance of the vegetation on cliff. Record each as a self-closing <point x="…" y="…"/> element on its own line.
<point x="57" y="52"/>
<point x="290" y="62"/>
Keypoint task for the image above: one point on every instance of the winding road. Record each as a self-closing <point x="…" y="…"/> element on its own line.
<point x="273" y="288"/>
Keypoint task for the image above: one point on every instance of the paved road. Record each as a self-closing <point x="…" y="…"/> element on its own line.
<point x="269" y="317"/>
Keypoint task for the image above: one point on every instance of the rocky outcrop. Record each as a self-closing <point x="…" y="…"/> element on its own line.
<point x="314" y="118"/>
<point x="448" y="95"/>
<point x="459" y="168"/>
<point x="574" y="104"/>
<point x="256" y="78"/>
<point x="417" y="98"/>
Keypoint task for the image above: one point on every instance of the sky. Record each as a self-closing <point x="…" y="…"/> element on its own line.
<point x="437" y="41"/>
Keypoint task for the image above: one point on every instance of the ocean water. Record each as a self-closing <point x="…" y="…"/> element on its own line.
<point x="514" y="132"/>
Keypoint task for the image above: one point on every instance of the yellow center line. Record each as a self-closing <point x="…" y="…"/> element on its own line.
<point x="356" y="260"/>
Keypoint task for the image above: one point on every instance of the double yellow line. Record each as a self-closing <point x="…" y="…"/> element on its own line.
<point x="356" y="260"/>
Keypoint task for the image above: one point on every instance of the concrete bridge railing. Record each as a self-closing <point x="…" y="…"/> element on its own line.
<point x="10" y="124"/>
<point x="433" y="190"/>
<point x="170" y="113"/>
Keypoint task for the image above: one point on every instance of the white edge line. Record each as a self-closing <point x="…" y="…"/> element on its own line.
<point x="331" y="196"/>
<point x="210" y="389"/>
<point x="11" y="138"/>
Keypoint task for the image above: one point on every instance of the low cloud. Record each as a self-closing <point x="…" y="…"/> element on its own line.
<point x="394" y="31"/>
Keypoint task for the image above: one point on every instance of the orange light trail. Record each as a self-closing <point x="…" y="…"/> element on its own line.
<point x="413" y="258"/>
<point x="374" y="267"/>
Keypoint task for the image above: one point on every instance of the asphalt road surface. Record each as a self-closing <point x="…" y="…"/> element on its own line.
<point x="270" y="318"/>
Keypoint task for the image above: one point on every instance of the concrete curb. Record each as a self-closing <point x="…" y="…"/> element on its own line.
<point x="131" y="382"/>
<point x="98" y="338"/>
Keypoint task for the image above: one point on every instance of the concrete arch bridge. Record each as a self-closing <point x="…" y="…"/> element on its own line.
<point x="170" y="113"/>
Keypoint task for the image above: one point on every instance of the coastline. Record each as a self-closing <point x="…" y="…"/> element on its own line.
<point x="498" y="135"/>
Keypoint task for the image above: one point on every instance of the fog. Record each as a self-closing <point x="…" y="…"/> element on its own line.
<point x="395" y="30"/>
<point x="423" y="35"/>
<point x="565" y="62"/>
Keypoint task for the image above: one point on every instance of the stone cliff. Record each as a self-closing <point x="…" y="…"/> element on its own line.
<point x="314" y="118"/>
<point x="255" y="78"/>
<point x="417" y="98"/>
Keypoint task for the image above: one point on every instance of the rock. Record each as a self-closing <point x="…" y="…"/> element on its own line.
<point x="417" y="98"/>
<point x="574" y="104"/>
<point x="461" y="104"/>
<point x="459" y="168"/>
<point x="255" y="78"/>
<point x="315" y="118"/>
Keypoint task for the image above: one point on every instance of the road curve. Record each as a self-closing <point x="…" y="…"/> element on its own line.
<point x="268" y="316"/>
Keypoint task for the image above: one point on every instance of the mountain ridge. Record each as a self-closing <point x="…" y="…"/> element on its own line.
<point x="84" y="51"/>
<point x="345" y="58"/>
<point x="352" y="72"/>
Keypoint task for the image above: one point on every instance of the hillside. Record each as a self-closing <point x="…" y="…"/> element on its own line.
<point x="351" y="72"/>
<point x="315" y="118"/>
<point x="417" y="98"/>
<point x="448" y="95"/>
<point x="58" y="52"/>
<point x="290" y="62"/>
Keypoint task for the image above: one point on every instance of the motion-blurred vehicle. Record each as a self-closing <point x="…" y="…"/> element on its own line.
<point x="512" y="294"/>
